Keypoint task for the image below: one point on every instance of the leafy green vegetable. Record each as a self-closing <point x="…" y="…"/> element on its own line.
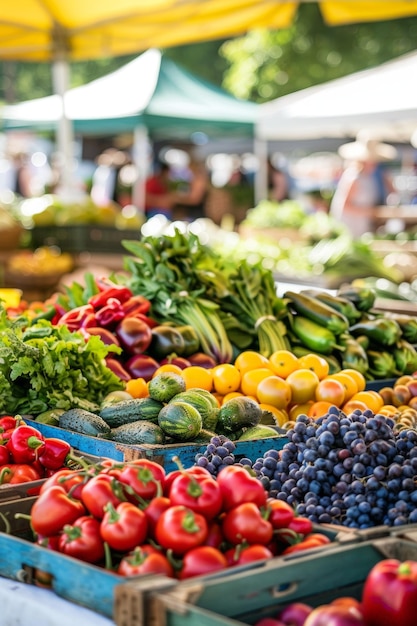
<point x="45" y="367"/>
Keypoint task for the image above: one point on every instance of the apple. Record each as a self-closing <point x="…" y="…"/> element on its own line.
<point x="295" y="614"/>
<point x="335" y="615"/>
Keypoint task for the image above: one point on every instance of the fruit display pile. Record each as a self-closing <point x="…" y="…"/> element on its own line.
<point x="355" y="470"/>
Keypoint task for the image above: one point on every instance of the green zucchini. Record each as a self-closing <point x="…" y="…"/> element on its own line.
<point x="317" y="311"/>
<point x="314" y="336"/>
<point x="343" y="305"/>
<point x="139" y="432"/>
<point x="131" y="410"/>
<point x="258" y="432"/>
<point x="85" y="422"/>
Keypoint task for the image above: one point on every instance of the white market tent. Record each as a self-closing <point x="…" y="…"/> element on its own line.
<point x="382" y="99"/>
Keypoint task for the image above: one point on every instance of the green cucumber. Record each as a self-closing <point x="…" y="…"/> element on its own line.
<point x="132" y="410"/>
<point x="317" y="311"/>
<point x="85" y="422"/>
<point x="139" y="432"/>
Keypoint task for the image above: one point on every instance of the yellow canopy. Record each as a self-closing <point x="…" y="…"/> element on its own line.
<point x="44" y="30"/>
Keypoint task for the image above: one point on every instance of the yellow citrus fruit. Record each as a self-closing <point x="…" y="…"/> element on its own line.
<point x="250" y="360"/>
<point x="370" y="398"/>
<point x="197" y="376"/>
<point x="280" y="415"/>
<point x="357" y="376"/>
<point x="349" y="383"/>
<point x="252" y="378"/>
<point x="303" y="383"/>
<point x="167" y="367"/>
<point x="226" y="378"/>
<point x="274" y="390"/>
<point x="316" y="363"/>
<point x="137" y="387"/>
<point x="283" y="362"/>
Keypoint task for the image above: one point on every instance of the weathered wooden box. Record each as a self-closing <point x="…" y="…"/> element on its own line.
<point x="162" y="454"/>
<point x="247" y="596"/>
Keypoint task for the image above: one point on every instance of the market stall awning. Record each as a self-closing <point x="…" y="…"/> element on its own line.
<point x="150" y="90"/>
<point x="75" y="29"/>
<point x="383" y="99"/>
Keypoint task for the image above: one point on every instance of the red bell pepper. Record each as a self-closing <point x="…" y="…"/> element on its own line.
<point x="153" y="512"/>
<point x="110" y="314"/>
<point x="124" y="527"/>
<point x="136" y="304"/>
<point x="390" y="594"/>
<point x="107" y="291"/>
<point x="53" y="509"/>
<point x="145" y="478"/>
<point x="8" y="422"/>
<point x="5" y="456"/>
<point x="80" y="317"/>
<point x="280" y="513"/>
<point x="238" y="486"/>
<point x="54" y="453"/>
<point x="201" y="494"/>
<point x="25" y="444"/>
<point x="82" y="540"/>
<point x="243" y="554"/>
<point x="145" y="560"/>
<point x="16" y="473"/>
<point x="180" y="529"/>
<point x="72" y="481"/>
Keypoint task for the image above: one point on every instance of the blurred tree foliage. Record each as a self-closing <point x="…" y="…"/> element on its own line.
<point x="259" y="66"/>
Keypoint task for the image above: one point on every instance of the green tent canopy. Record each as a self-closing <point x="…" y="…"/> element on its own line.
<point x="151" y="91"/>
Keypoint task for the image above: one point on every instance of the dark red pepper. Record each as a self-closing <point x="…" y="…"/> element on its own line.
<point x="134" y="335"/>
<point x="25" y="444"/>
<point x="117" y="368"/>
<point x="54" y="453"/>
<point x="106" y="336"/>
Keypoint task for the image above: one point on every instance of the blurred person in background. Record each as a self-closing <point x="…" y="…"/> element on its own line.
<point x="21" y="175"/>
<point x="191" y="203"/>
<point x="364" y="184"/>
<point x="159" y="199"/>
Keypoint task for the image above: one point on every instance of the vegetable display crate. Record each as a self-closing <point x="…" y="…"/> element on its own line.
<point x="82" y="238"/>
<point x="376" y="385"/>
<point x="247" y="596"/>
<point x="163" y="454"/>
<point x="89" y="585"/>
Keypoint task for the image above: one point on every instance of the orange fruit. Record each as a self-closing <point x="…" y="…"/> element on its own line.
<point x="226" y="378"/>
<point x="357" y="376"/>
<point x="314" y="362"/>
<point x="197" y="376"/>
<point x="330" y="390"/>
<point x="352" y="405"/>
<point x="283" y="362"/>
<point x="319" y="408"/>
<point x="370" y="398"/>
<point x="232" y="394"/>
<point x="274" y="390"/>
<point x="303" y="383"/>
<point x="137" y="387"/>
<point x="250" y="360"/>
<point x="349" y="383"/>
<point x="167" y="367"/>
<point x="252" y="378"/>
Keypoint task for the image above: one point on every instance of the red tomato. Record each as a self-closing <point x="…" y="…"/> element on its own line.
<point x="202" y="560"/>
<point x="145" y="560"/>
<point x="238" y="486"/>
<point x="241" y="554"/>
<point x="280" y="513"/>
<point x="245" y="523"/>
<point x="180" y="529"/>
<point x="145" y="477"/>
<point x="201" y="494"/>
<point x="82" y="540"/>
<point x="99" y="491"/>
<point x="123" y="527"/>
<point x="301" y="525"/>
<point x="154" y="510"/>
<point x="53" y="509"/>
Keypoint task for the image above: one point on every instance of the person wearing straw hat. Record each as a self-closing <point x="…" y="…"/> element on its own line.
<point x="364" y="185"/>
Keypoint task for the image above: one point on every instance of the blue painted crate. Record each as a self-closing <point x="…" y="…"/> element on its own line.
<point x="162" y="454"/>
<point x="89" y="585"/>
<point x="316" y="577"/>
